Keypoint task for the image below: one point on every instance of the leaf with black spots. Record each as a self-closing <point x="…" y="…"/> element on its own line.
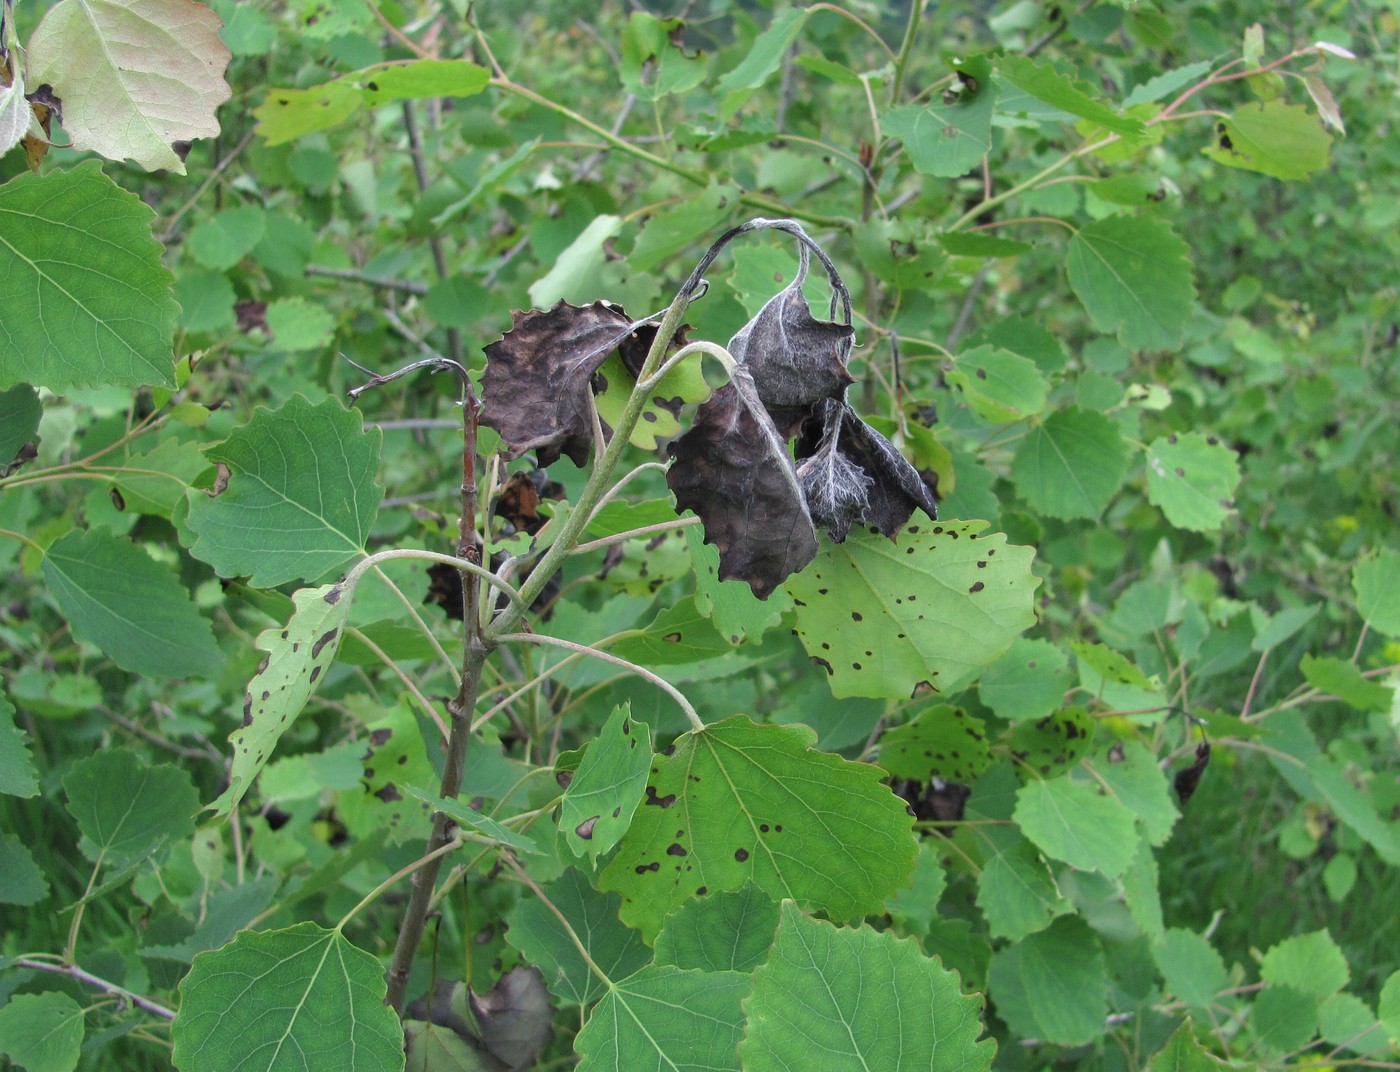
<point x="940" y="742"/>
<point x="297" y="655"/>
<point x="794" y="358"/>
<point x="733" y="470"/>
<point x="739" y="802"/>
<point x="537" y="383"/>
<point x="892" y="620"/>
<point x="1051" y="745"/>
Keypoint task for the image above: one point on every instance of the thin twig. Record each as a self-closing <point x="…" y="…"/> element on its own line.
<point x="75" y="972"/>
<point x="408" y="286"/>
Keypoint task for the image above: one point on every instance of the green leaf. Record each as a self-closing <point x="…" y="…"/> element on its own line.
<point x="1070" y="821"/>
<point x="1133" y="776"/>
<point x="1283" y="625"/>
<point x="85" y="300"/>
<point x="726" y="931"/>
<point x="574" y="276"/>
<point x="1192" y="478"/>
<point x="1347" y="1022"/>
<point x="1388" y="1007"/>
<point x="607" y="787"/>
<point x="21" y="881"/>
<point x="1282" y="140"/>
<point x="298" y="324"/>
<point x="1191" y="967"/>
<point x="737" y="802"/>
<point x="1353" y="808"/>
<point x="1070" y="465"/>
<point x="157" y="804"/>
<point x="1133" y="275"/>
<point x="941" y="741"/>
<point x="999" y="385"/>
<point x="1015" y="889"/>
<point x="672" y="229"/>
<point x="1344" y="680"/>
<point x="685" y="383"/>
<point x="1182" y="1053"/>
<point x="1312" y="963"/>
<point x="1284" y="1019"/>
<point x="288" y="114"/>
<point x="1141" y="891"/>
<point x="545" y="942"/>
<point x="654" y="63"/>
<point x="1159" y="86"/>
<point x="666" y="1018"/>
<point x="1028" y="681"/>
<point x="225" y="238"/>
<point x="42" y="1032"/>
<point x="206" y="301"/>
<point x="889" y="619"/>
<point x="1053" y="985"/>
<point x="945" y="140"/>
<point x="115" y="65"/>
<point x="1025" y="337"/>
<point x="421" y="80"/>
<point x="960" y="244"/>
<point x="678" y="634"/>
<point x="155" y="482"/>
<point x="762" y="60"/>
<point x="473" y="819"/>
<point x="132" y="608"/>
<point x="1047" y="85"/>
<point x="914" y="908"/>
<point x="301" y="495"/>
<point x="20" y="411"/>
<point x="738" y="615"/>
<point x="302" y="998"/>
<point x="458" y="301"/>
<point x="861" y="999"/>
<point x="1376" y="581"/>
<point x="18" y="777"/>
<point x="297" y="656"/>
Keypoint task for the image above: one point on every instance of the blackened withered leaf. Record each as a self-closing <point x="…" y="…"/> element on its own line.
<point x="837" y="490"/>
<point x="895" y="488"/>
<point x="1188" y="778"/>
<point x="518" y="501"/>
<point x="536" y="387"/>
<point x="733" y="470"/>
<point x="898" y="488"/>
<point x="514" y="1018"/>
<point x="794" y="358"/>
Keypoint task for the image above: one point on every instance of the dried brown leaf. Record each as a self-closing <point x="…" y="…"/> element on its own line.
<point x="536" y="386"/>
<point x="733" y="470"/>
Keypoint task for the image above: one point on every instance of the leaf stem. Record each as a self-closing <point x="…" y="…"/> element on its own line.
<point x="632" y="534"/>
<point x="408" y="683"/>
<point x="906" y="48"/>
<point x="378" y="891"/>
<point x="641" y="671"/>
<point x="594" y="489"/>
<point x="353" y="577"/>
<point x="534" y="888"/>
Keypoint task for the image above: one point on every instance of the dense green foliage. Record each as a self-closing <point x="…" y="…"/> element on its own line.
<point x="702" y="745"/>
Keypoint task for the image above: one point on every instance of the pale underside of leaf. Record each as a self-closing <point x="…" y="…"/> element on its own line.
<point x="136" y="77"/>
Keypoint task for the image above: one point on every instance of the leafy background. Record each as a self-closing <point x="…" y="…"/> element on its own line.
<point x="1124" y="293"/>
